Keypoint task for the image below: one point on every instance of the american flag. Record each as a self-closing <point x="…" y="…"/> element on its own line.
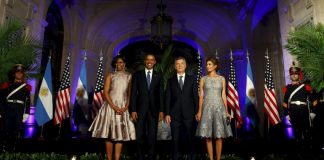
<point x="98" y="94"/>
<point x="270" y="100"/>
<point x="62" y="105"/>
<point x="232" y="95"/>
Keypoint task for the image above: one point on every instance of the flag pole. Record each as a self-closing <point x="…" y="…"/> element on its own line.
<point x="235" y="121"/>
<point x="41" y="137"/>
<point x="267" y="57"/>
<point x="59" y="133"/>
<point x="216" y="54"/>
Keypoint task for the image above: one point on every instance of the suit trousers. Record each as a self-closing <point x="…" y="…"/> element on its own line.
<point x="177" y="135"/>
<point x="146" y="134"/>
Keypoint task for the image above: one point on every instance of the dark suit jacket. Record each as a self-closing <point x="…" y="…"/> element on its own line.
<point x="144" y="99"/>
<point x="181" y="103"/>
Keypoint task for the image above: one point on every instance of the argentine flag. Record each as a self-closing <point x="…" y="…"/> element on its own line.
<point x="44" y="105"/>
<point x="82" y="83"/>
<point x="81" y="105"/>
<point x="250" y="100"/>
<point x="250" y="90"/>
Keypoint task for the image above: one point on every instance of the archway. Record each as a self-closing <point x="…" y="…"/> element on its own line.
<point x="52" y="46"/>
<point x="53" y="42"/>
<point x="135" y="52"/>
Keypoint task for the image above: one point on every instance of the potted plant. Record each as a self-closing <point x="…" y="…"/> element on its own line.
<point x="16" y="47"/>
<point x="307" y="44"/>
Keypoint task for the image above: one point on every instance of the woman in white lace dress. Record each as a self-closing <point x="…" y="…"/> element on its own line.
<point x="213" y="116"/>
<point x="113" y="121"/>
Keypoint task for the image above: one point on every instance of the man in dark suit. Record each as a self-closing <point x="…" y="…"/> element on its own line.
<point x="181" y="104"/>
<point x="146" y="106"/>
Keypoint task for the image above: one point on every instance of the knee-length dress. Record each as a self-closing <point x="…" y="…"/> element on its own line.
<point x="213" y="119"/>
<point x="108" y="124"/>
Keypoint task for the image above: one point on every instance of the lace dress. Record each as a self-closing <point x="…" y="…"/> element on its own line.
<point x="213" y="119"/>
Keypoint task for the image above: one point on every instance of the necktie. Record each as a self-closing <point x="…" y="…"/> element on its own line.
<point x="181" y="82"/>
<point x="148" y="78"/>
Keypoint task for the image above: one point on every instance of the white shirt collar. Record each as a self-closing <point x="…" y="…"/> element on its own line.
<point x="146" y="70"/>
<point x="183" y="76"/>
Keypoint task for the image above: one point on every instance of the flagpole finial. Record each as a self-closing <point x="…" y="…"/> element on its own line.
<point x="198" y="54"/>
<point x="69" y="55"/>
<point x="231" y="54"/>
<point x="50" y="53"/>
<point x="101" y="54"/>
<point x="267" y="53"/>
<point x="216" y="54"/>
<point x="85" y="54"/>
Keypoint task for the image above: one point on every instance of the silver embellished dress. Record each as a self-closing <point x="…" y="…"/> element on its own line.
<point x="213" y="119"/>
<point x="108" y="124"/>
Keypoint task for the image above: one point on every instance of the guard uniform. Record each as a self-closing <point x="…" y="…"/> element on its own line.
<point x="16" y="95"/>
<point x="296" y="97"/>
<point x="298" y="108"/>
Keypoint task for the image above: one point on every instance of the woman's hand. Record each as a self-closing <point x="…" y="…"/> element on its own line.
<point x="124" y="109"/>
<point x="228" y="115"/>
<point x="116" y="109"/>
<point x="198" y="116"/>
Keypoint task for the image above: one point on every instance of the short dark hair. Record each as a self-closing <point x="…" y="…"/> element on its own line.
<point x="149" y="54"/>
<point x="214" y="61"/>
<point x="114" y="61"/>
<point x="180" y="57"/>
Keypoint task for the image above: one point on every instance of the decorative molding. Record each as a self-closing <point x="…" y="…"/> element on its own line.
<point x="290" y="14"/>
<point x="309" y="4"/>
<point x="30" y="12"/>
<point x="309" y="20"/>
<point x="10" y="3"/>
<point x="44" y="23"/>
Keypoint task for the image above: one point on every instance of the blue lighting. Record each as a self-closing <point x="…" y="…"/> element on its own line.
<point x="289" y="129"/>
<point x="128" y="41"/>
<point x="30" y="132"/>
<point x="261" y="9"/>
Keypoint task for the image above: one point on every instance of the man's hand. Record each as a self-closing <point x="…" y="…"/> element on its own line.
<point x="25" y="117"/>
<point x="167" y="119"/>
<point x="161" y="116"/>
<point x="134" y="116"/>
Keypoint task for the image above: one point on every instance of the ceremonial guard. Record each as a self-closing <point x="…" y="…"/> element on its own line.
<point x="15" y="94"/>
<point x="297" y="107"/>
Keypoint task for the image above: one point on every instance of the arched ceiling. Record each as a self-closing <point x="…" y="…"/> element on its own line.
<point x="213" y="23"/>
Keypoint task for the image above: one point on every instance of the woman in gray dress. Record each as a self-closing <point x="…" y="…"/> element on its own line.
<point x="113" y="120"/>
<point x="213" y="116"/>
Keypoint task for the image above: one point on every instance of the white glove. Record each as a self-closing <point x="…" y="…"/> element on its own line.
<point x="288" y="118"/>
<point x="25" y="117"/>
<point x="312" y="116"/>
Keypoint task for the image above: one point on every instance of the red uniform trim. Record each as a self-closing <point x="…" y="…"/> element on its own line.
<point x="308" y="88"/>
<point x="29" y="87"/>
<point x="5" y="85"/>
<point x="284" y="90"/>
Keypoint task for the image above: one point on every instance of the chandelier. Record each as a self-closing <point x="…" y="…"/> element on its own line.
<point x="161" y="27"/>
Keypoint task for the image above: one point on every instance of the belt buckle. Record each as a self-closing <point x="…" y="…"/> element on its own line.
<point x="298" y="103"/>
